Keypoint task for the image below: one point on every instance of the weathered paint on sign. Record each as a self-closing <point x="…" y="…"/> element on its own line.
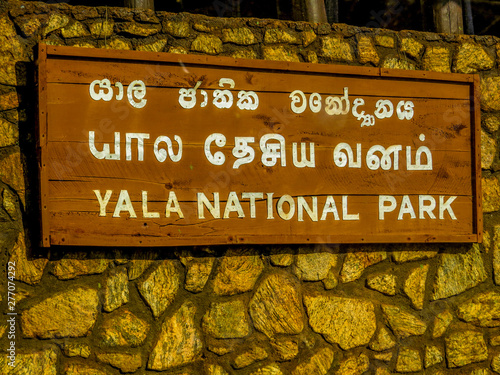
<point x="148" y="149"/>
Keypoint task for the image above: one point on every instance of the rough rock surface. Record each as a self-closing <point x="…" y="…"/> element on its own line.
<point x="71" y="313"/>
<point x="314" y="264"/>
<point x="414" y="286"/>
<point x="355" y="365"/>
<point x="458" y="272"/>
<point x="179" y="342"/>
<point x="276" y="306"/>
<point x="160" y="287"/>
<point x="356" y="262"/>
<point x="226" y="320"/>
<point x="116" y="291"/>
<point x="319" y="363"/>
<point x="122" y="328"/>
<point x="237" y="272"/>
<point x="403" y="323"/>
<point x="36" y="362"/>
<point x="408" y="360"/>
<point x="348" y="322"/>
<point x="465" y="347"/>
<point x="482" y="310"/>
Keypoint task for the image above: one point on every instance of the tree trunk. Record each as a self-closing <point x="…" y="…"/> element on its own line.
<point x="332" y="10"/>
<point x="140" y="4"/>
<point x="316" y="11"/>
<point x="448" y="16"/>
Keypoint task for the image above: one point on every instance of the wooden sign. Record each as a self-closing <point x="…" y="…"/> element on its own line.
<point x="157" y="149"/>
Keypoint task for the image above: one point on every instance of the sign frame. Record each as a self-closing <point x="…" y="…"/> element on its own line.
<point x="47" y="52"/>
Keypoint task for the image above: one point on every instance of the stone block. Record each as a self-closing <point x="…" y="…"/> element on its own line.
<point x="366" y="51"/>
<point x="412" y="47"/>
<point x="354" y="365"/>
<point x="237" y="272"/>
<point x="414" y="286"/>
<point x="74" y="30"/>
<point x="209" y="44"/>
<point x="160" y="287"/>
<point x="465" y="347"/>
<point x="281" y="36"/>
<point x="179" y="29"/>
<point x="226" y="320"/>
<point x="491" y="194"/>
<point x="140" y="29"/>
<point x="336" y="48"/>
<point x="280" y="53"/>
<point x="313" y="264"/>
<point x="408" y="360"/>
<point x="179" y="342"/>
<point x="471" y="58"/>
<point x="122" y="328"/>
<point x="156" y="46"/>
<point x="71" y="313"/>
<point x="319" y="363"/>
<point x="276" y="306"/>
<point x="348" y="322"/>
<point x="490" y="94"/>
<point x="402" y="322"/>
<point x="102" y="28"/>
<point x="125" y="362"/>
<point x="241" y="36"/>
<point x="27" y="270"/>
<point x="437" y="59"/>
<point x="489" y="147"/>
<point x="383" y="283"/>
<point x="458" y="272"/>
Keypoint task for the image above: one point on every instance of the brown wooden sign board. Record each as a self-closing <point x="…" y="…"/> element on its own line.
<point x="157" y="149"/>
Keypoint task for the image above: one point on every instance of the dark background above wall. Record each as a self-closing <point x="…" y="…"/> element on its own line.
<point x="391" y="14"/>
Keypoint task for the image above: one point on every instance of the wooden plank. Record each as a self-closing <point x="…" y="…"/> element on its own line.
<point x="184" y="75"/>
<point x="91" y="196"/>
<point x="274" y="114"/>
<point x="194" y="171"/>
<point x="151" y="231"/>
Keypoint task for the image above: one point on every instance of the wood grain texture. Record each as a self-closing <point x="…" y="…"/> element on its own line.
<point x="446" y="121"/>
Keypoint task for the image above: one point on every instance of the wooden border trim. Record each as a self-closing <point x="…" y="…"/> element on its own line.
<point x="226" y="62"/>
<point x="42" y="142"/>
<point x="468" y="83"/>
<point x="476" y="123"/>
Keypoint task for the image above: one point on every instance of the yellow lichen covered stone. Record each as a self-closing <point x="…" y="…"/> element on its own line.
<point x="490" y="94"/>
<point x="156" y="46"/>
<point x="437" y="59"/>
<point x="209" y="44"/>
<point x="491" y="194"/>
<point x="102" y="28"/>
<point x="74" y="30"/>
<point x="385" y="41"/>
<point x="408" y="360"/>
<point x="471" y="58"/>
<point x="9" y="134"/>
<point x="411" y="47"/>
<point x="281" y="36"/>
<point x="336" y="48"/>
<point x="280" y="53"/>
<point x="180" y="29"/>
<point x="55" y="22"/>
<point x="240" y="35"/>
<point x="488" y="150"/>
<point x="366" y="51"/>
<point x="414" y="286"/>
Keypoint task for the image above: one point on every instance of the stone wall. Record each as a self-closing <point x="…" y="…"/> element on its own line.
<point x="241" y="310"/>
